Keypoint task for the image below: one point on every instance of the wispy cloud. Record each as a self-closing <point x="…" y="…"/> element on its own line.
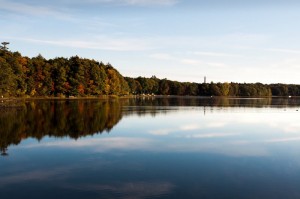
<point x="188" y="60"/>
<point x="214" y="54"/>
<point x="99" y="43"/>
<point x="137" y="2"/>
<point x="292" y="51"/>
<point x="178" y="59"/>
<point x="216" y="64"/>
<point x="22" y="8"/>
<point x="162" y="56"/>
<point x="191" y="62"/>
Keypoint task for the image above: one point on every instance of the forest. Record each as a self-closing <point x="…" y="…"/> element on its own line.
<point x="21" y="76"/>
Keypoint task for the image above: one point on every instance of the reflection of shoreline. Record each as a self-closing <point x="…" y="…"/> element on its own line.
<point x="215" y="101"/>
<point x="169" y="100"/>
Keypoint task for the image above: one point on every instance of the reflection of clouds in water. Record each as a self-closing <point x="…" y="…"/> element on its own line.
<point x="206" y="125"/>
<point x="234" y="134"/>
<point x="232" y="144"/>
<point x="130" y="190"/>
<point x="290" y="139"/>
<point x="292" y="128"/>
<point x="186" y="127"/>
<point x="161" y="131"/>
<point x="212" y="135"/>
<point x="41" y="175"/>
<point x="230" y="149"/>
<point x="252" y="125"/>
<point x="99" y="144"/>
<point x="190" y="127"/>
<point x="206" y="142"/>
<point x="279" y="121"/>
<point x="178" y="144"/>
<point x="216" y="124"/>
<point x="226" y="148"/>
<point x="251" y="150"/>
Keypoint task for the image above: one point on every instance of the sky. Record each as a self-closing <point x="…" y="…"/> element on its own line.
<point x="225" y="40"/>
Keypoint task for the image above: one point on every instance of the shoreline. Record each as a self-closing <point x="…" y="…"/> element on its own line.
<point x="106" y="97"/>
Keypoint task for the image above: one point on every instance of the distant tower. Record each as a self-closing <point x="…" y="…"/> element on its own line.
<point x="204" y="79"/>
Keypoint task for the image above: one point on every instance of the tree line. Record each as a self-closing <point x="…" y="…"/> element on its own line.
<point x="21" y="76"/>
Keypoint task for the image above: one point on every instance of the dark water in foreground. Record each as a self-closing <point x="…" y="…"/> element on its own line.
<point x="152" y="148"/>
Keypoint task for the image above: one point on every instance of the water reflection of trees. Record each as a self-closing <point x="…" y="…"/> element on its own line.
<point x="153" y="106"/>
<point x="213" y="101"/>
<point x="77" y="118"/>
<point x="74" y="119"/>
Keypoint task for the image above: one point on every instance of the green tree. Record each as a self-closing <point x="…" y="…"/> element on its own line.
<point x="224" y="88"/>
<point x="7" y="78"/>
<point x="60" y="77"/>
<point x="164" y="87"/>
<point x="215" y="90"/>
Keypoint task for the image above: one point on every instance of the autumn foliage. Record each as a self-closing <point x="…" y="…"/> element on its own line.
<point x="75" y="76"/>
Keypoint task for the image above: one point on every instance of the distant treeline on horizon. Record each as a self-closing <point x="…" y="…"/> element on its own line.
<point x="62" y="77"/>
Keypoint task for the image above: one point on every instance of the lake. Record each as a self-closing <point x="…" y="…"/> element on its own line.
<point x="208" y="148"/>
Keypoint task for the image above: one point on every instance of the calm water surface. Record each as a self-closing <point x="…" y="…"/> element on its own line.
<point x="151" y="148"/>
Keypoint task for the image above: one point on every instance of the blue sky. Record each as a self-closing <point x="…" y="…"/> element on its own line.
<point x="184" y="40"/>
